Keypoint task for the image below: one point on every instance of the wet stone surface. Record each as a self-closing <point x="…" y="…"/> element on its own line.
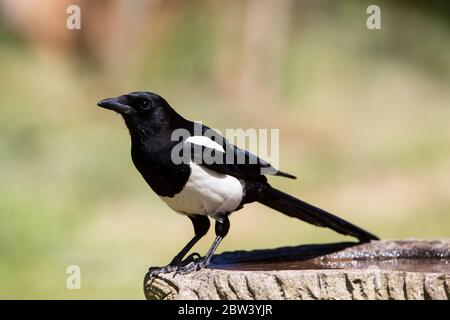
<point x="408" y="269"/>
<point x="411" y="256"/>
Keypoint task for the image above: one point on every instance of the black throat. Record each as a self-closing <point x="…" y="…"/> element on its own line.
<point x="151" y="150"/>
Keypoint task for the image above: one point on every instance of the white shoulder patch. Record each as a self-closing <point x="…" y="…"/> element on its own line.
<point x="205" y="142"/>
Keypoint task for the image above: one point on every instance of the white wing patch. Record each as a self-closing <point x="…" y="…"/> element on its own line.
<point x="205" y="142"/>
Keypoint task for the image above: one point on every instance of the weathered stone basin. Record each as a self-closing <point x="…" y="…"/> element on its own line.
<point x="409" y="269"/>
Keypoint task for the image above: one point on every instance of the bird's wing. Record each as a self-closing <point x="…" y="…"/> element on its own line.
<point x="228" y="159"/>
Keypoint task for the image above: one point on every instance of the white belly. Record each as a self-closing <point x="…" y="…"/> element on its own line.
<point x="207" y="193"/>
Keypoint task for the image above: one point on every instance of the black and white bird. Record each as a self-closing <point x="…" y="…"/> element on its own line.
<point x="205" y="189"/>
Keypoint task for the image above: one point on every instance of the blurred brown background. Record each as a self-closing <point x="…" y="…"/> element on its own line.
<point x="363" y="117"/>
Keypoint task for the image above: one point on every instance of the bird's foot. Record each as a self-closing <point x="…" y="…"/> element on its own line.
<point x="193" y="266"/>
<point x="155" y="271"/>
<point x="174" y="266"/>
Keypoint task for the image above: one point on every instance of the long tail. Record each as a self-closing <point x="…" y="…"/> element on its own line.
<point x="296" y="208"/>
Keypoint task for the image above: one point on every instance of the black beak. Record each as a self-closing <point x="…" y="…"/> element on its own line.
<point x="115" y="105"/>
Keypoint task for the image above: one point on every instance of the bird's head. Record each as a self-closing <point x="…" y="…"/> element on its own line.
<point x="134" y="103"/>
<point x="142" y="110"/>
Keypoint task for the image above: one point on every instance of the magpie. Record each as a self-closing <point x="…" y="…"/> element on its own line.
<point x="202" y="187"/>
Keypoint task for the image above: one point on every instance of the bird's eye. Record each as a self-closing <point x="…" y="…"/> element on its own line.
<point x="145" y="105"/>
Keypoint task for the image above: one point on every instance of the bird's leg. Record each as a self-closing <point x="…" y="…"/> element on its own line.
<point x="201" y="227"/>
<point x="221" y="228"/>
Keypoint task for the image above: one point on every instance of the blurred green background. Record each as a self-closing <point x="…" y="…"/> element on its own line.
<point x="364" y="120"/>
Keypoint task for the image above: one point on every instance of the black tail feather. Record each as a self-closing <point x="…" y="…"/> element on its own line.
<point x="297" y="208"/>
<point x="285" y="175"/>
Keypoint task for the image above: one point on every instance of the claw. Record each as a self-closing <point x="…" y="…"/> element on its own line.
<point x="176" y="265"/>
<point x="153" y="272"/>
<point x="192" y="266"/>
